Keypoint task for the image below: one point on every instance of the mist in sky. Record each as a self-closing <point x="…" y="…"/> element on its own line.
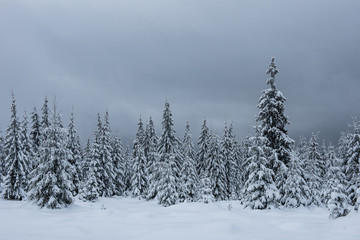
<point x="207" y="58"/>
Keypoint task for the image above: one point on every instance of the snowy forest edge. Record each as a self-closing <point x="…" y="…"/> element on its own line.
<point x="46" y="164"/>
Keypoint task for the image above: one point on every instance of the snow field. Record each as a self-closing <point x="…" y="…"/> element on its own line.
<point x="127" y="218"/>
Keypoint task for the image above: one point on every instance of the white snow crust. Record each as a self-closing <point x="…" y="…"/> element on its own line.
<point x="127" y="218"/>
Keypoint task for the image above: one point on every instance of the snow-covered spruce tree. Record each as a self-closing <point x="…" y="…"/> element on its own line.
<point x="27" y="150"/>
<point x="90" y="188"/>
<point x="206" y="193"/>
<point x="313" y="170"/>
<point x="169" y="162"/>
<point x="140" y="134"/>
<point x="75" y="156"/>
<point x="139" y="183"/>
<point x="16" y="168"/>
<point x="297" y="191"/>
<point x="228" y="152"/>
<point x="45" y="122"/>
<point x="302" y="150"/>
<point x="260" y="191"/>
<point x="152" y="159"/>
<point x="35" y="135"/>
<point x="119" y="165"/>
<point x="335" y="194"/>
<point x="352" y="172"/>
<point x="216" y="170"/>
<point x="167" y="189"/>
<point x="107" y="173"/>
<point x="337" y="203"/>
<point x="96" y="156"/>
<point x="128" y="170"/>
<point x="150" y="138"/>
<point x="324" y="164"/>
<point x="273" y="121"/>
<point x="85" y="161"/>
<point x="343" y="148"/>
<point x="334" y="167"/>
<point x="2" y="160"/>
<point x="245" y="153"/>
<point x="235" y="183"/>
<point x="139" y="180"/>
<point x="189" y="179"/>
<point x="101" y="158"/>
<point x="202" y="150"/>
<point x="52" y="184"/>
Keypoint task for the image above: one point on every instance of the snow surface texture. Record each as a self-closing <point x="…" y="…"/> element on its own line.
<point x="127" y="218"/>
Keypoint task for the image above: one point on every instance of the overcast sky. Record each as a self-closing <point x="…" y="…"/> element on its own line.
<point x="207" y="58"/>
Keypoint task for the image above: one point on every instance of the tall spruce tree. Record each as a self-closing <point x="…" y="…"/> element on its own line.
<point x="52" y="184"/>
<point x="236" y="182"/>
<point x="139" y="183"/>
<point x="140" y="134"/>
<point x="324" y="164"/>
<point x="90" y="185"/>
<point x="152" y="158"/>
<point x="189" y="180"/>
<point x="2" y="160"/>
<point x="273" y="122"/>
<point x="16" y="168"/>
<point x="216" y="170"/>
<point x="27" y="150"/>
<point x="343" y="149"/>
<point x="85" y="161"/>
<point x="45" y="122"/>
<point x="228" y="152"/>
<point x="128" y="170"/>
<point x="108" y="174"/>
<point x="302" y="150"/>
<point x="96" y="156"/>
<point x="352" y="163"/>
<point x="260" y="191"/>
<point x="246" y="157"/>
<point x="119" y="165"/>
<point x="313" y="170"/>
<point x="169" y="162"/>
<point x="35" y="135"/>
<point x="75" y="156"/>
<point x="202" y="150"/>
<point x="139" y="180"/>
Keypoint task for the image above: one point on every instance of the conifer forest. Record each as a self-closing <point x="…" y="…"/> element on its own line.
<point x="43" y="161"/>
<point x="179" y="120"/>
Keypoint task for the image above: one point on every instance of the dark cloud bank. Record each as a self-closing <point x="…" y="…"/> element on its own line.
<point x="208" y="58"/>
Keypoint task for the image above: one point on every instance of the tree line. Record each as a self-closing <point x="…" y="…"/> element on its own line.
<point x="44" y="162"/>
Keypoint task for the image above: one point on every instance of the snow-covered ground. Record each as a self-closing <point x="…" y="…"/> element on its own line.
<point x="126" y="218"/>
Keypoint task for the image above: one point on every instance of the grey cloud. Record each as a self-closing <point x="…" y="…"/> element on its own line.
<point x="208" y="58"/>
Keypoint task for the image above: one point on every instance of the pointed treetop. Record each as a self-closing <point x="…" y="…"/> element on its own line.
<point x="272" y="71"/>
<point x="226" y="129"/>
<point x="99" y="120"/>
<point x="187" y="125"/>
<point x="355" y="125"/>
<point x="106" y="118"/>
